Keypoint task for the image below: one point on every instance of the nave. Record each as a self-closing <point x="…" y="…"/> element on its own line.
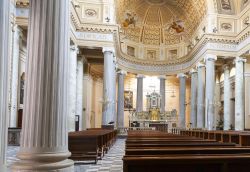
<point x="111" y="162"/>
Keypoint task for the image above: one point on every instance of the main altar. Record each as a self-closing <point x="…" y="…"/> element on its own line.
<point x="153" y="117"/>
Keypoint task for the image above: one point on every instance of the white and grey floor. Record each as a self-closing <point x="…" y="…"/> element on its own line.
<point x="111" y="162"/>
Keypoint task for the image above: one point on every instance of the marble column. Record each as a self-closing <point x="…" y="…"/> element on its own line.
<point x="120" y="101"/>
<point x="17" y="40"/>
<point x="210" y="90"/>
<point x="139" y="95"/>
<point x="44" y="138"/>
<point x="201" y="95"/>
<point x="182" y="100"/>
<point x="72" y="87"/>
<point x="227" y="101"/>
<point x="109" y="88"/>
<point x="194" y="80"/>
<point x="239" y="94"/>
<point x="162" y="93"/>
<point x="79" y="90"/>
<point x="4" y="54"/>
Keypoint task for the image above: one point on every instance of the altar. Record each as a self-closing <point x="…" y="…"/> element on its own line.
<point x="152" y="117"/>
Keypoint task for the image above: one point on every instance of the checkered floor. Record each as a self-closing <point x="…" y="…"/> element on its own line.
<point x="111" y="162"/>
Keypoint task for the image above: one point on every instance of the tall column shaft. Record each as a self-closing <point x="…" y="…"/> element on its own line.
<point x="210" y="84"/>
<point x="4" y="47"/>
<point x="227" y="109"/>
<point x="239" y="94"/>
<point x="162" y="93"/>
<point x="79" y="90"/>
<point x="120" y="101"/>
<point x="72" y="87"/>
<point x="44" y="138"/>
<point x="182" y="101"/>
<point x="194" y="80"/>
<point x="14" y="75"/>
<point x="201" y="96"/>
<point x="109" y="89"/>
<point x="139" y="95"/>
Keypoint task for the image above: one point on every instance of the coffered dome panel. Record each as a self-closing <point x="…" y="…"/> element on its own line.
<point x="158" y="29"/>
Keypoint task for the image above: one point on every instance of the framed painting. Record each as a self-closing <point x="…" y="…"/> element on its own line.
<point x="128" y="100"/>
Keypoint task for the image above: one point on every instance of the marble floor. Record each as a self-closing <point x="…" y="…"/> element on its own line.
<point x="111" y="162"/>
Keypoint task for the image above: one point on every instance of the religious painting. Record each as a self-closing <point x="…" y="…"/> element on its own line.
<point x="128" y="100"/>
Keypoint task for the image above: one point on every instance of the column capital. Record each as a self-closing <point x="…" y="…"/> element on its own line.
<point x="240" y="59"/>
<point x="200" y="65"/>
<point x="140" y="76"/>
<point x="122" y="72"/>
<point x="108" y="49"/>
<point x="18" y="31"/>
<point x="210" y="57"/>
<point x="192" y="71"/>
<point x="162" y="77"/>
<point x="181" y="75"/>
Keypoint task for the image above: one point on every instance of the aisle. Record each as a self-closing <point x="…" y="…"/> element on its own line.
<point x="111" y="162"/>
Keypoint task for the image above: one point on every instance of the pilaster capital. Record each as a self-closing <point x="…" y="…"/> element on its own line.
<point x="210" y="57"/>
<point x="74" y="48"/>
<point x="140" y="76"/>
<point x="18" y="31"/>
<point x="200" y="65"/>
<point x="108" y="49"/>
<point x="162" y="77"/>
<point x="181" y="75"/>
<point x="240" y="59"/>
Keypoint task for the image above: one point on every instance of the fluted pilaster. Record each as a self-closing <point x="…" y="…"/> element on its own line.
<point x="79" y="90"/>
<point x="72" y="87"/>
<point x="17" y="40"/>
<point x="44" y="141"/>
<point x="4" y="47"/>
<point x="239" y="94"/>
<point x="227" y="109"/>
<point x="182" y="100"/>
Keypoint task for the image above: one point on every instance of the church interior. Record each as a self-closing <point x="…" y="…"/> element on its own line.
<point x="124" y="85"/>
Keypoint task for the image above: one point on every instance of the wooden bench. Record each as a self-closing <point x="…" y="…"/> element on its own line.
<point x="90" y="144"/>
<point x="162" y="152"/>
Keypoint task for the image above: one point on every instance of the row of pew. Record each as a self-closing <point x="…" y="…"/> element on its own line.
<point x="90" y="144"/>
<point x="241" y="138"/>
<point x="149" y="151"/>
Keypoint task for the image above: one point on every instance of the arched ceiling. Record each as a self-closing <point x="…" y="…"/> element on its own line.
<point x="157" y="22"/>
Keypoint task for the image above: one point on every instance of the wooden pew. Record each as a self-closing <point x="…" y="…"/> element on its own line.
<point x="160" y="152"/>
<point x="90" y="144"/>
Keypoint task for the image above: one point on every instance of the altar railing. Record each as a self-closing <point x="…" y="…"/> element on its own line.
<point x="124" y="130"/>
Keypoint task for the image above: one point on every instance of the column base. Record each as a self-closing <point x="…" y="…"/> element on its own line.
<point x="3" y="167"/>
<point x="29" y="166"/>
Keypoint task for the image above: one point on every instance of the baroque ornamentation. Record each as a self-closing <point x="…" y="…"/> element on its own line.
<point x="90" y="13"/>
